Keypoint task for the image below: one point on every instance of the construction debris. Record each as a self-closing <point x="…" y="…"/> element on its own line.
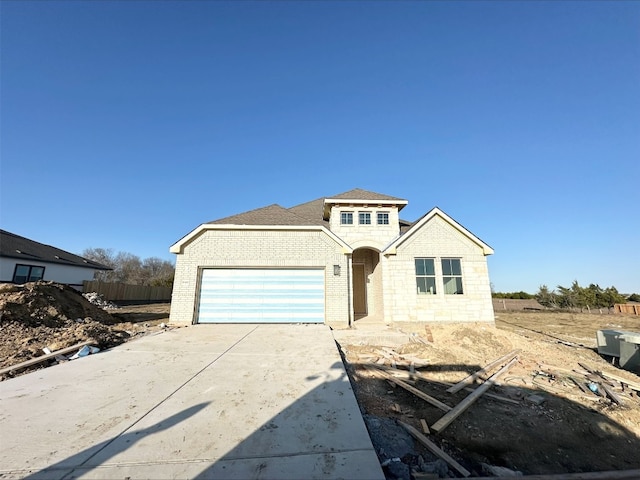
<point x="433" y="448"/>
<point x="549" y="404"/>
<point x="427" y="398"/>
<point x="53" y="355"/>
<point x="40" y="315"/>
<point x="449" y="417"/>
<point x="473" y="377"/>
<point x="98" y="300"/>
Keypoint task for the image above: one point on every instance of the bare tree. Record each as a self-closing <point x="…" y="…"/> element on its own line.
<point x="158" y="272"/>
<point x="106" y="257"/>
<point x="128" y="268"/>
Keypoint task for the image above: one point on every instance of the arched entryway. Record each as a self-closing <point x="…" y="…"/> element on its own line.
<point x="367" y="284"/>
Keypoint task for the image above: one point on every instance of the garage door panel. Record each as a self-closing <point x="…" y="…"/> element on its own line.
<point x="261" y="296"/>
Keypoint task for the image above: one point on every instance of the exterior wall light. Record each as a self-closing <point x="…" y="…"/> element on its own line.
<point x="336" y="270"/>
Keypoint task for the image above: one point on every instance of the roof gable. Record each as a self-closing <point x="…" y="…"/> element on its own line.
<point x="15" y="246"/>
<point x="391" y="248"/>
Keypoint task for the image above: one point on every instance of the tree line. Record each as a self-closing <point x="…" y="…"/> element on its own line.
<point x="574" y="296"/>
<point x="130" y="268"/>
<point x="515" y="295"/>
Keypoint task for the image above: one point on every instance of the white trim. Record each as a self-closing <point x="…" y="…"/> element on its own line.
<point x="392" y="247"/>
<point x="178" y="247"/>
<point x="337" y="202"/>
<point x="343" y="212"/>
<point x="347" y="201"/>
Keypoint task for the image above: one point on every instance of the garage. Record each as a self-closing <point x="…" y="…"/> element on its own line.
<point x="261" y="295"/>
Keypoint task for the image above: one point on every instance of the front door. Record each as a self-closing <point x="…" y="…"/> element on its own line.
<point x="359" y="290"/>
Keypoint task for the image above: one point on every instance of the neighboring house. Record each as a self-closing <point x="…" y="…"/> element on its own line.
<point x="332" y="260"/>
<point x="23" y="260"/>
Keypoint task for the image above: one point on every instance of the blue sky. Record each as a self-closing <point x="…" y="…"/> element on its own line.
<point x="125" y="125"/>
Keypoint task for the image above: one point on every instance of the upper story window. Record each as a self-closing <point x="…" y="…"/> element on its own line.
<point x="452" y="276"/>
<point x="426" y="275"/>
<point x="27" y="273"/>
<point x="383" y="218"/>
<point x="364" y="218"/>
<point x="346" y="218"/>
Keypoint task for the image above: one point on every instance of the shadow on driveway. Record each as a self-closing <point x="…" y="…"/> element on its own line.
<point x="77" y="464"/>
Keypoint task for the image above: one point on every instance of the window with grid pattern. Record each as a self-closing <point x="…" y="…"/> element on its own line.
<point x="364" y="218"/>
<point x="346" y="218"/>
<point x="425" y="276"/>
<point x="452" y="276"/>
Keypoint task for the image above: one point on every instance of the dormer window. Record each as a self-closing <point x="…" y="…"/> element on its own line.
<point x="346" y="218"/>
<point x="383" y="218"/>
<point x="364" y="218"/>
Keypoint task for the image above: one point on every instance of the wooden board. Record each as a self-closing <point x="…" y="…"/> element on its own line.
<point x="611" y="394"/>
<point x="500" y="398"/>
<point x="433" y="448"/>
<point x="629" y="383"/>
<point x="449" y="417"/>
<point x="35" y="361"/>
<point x="418" y="393"/>
<point x="471" y="378"/>
<point x="425" y="427"/>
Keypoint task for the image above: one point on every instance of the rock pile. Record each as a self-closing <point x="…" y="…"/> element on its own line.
<point x="97" y="299"/>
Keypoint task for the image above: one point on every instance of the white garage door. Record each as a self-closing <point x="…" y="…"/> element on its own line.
<point x="245" y="295"/>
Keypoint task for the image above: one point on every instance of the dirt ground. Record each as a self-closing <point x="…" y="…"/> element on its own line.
<point x="544" y="424"/>
<point x="550" y="426"/>
<point x="46" y="314"/>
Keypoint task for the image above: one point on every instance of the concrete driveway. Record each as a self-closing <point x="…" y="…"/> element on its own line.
<point x="207" y="401"/>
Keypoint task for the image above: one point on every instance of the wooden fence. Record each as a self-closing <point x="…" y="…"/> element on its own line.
<point x="122" y="292"/>
<point x="516" y="304"/>
<point x="629" y="308"/>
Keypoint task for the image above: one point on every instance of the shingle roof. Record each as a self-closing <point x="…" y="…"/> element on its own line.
<point x="360" y="194"/>
<point x="270" y="215"/>
<point x="312" y="211"/>
<point x="15" y="246"/>
<point x="309" y="213"/>
<point x="405" y="226"/>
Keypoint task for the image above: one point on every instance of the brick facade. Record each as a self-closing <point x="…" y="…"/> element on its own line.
<point x="258" y="248"/>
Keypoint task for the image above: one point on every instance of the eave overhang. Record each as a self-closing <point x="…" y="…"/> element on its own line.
<point x="179" y="246"/>
<point x="330" y="202"/>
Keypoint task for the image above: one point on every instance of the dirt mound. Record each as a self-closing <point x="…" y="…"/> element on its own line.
<point x="48" y="314"/>
<point x="49" y="304"/>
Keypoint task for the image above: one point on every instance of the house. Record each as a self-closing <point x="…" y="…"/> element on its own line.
<point x="333" y="260"/>
<point x="23" y="260"/>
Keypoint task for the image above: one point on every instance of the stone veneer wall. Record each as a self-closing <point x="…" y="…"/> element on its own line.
<point x="374" y="235"/>
<point x="437" y="239"/>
